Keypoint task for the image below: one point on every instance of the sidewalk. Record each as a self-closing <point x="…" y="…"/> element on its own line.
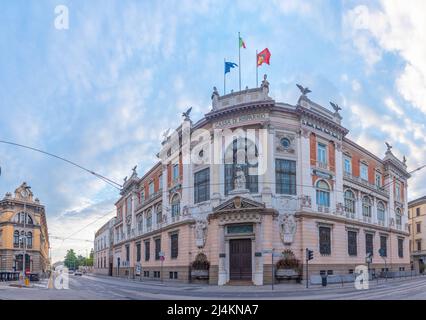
<point x="282" y="287"/>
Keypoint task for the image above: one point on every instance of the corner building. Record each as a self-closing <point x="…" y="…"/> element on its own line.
<point x="314" y="188"/>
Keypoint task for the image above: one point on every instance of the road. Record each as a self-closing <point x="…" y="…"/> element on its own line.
<point x="104" y="288"/>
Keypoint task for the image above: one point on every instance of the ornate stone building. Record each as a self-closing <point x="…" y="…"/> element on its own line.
<point x="23" y="222"/>
<point x="256" y="176"/>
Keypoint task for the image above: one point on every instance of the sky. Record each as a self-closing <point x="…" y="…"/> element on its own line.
<point x="101" y="92"/>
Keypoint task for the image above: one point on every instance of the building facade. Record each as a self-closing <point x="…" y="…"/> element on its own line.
<point x="417" y="228"/>
<point x="23" y="223"/>
<point x="103" y="246"/>
<point x="254" y="178"/>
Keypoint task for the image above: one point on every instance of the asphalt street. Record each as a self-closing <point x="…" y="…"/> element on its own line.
<point x="90" y="287"/>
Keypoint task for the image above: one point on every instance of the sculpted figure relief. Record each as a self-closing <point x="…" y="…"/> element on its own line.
<point x="287" y="228"/>
<point x="240" y="179"/>
<point x="200" y="233"/>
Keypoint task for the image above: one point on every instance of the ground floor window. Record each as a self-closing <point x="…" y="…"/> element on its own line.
<point x="325" y="240"/>
<point x="146" y="274"/>
<point x="173" y="275"/>
<point x="352" y="243"/>
<point x="369" y="243"/>
<point x="157" y="274"/>
<point x="383" y="246"/>
<point x="401" y="248"/>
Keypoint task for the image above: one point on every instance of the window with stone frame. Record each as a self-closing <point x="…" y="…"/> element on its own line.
<point x="324" y="240"/>
<point x="241" y="153"/>
<point x="175" y="205"/>
<point x="366" y="207"/>
<point x="350" y="201"/>
<point x="400" y="247"/>
<point x="159" y="213"/>
<point x="383" y="245"/>
<point x="147" y="250"/>
<point x="352" y="243"/>
<point x="127" y="253"/>
<point x="138" y="252"/>
<point x="369" y="244"/>
<point x="323" y="193"/>
<point x="285" y="176"/>
<point x="202" y="185"/>
<point x="174" y="245"/>
<point x="157" y="248"/>
<point x="380" y="211"/>
<point x="149" y="219"/>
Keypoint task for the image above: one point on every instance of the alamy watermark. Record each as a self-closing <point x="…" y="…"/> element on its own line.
<point x="61" y="21"/>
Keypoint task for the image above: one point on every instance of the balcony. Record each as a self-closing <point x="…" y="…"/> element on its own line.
<point x="350" y="215"/>
<point x="366" y="219"/>
<point x="365" y="183"/>
<point x="323" y="209"/>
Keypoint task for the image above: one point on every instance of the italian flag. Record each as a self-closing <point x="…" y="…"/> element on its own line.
<point x="242" y="44"/>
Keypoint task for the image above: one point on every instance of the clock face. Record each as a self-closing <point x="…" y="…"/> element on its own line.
<point x="24" y="193"/>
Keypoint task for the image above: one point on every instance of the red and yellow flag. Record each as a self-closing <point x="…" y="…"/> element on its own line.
<point x="263" y="57"/>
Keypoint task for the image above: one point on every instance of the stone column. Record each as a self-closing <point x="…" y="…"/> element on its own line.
<point x="258" y="260"/>
<point x="222" y="276"/>
<point x="338" y="190"/>
<point x="304" y="167"/>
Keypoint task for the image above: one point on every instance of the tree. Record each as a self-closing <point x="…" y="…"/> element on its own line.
<point x="71" y="260"/>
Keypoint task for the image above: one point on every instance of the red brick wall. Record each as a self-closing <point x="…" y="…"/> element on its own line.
<point x="332" y="156"/>
<point x="169" y="174"/>
<point x="313" y="147"/>
<point x="371" y="173"/>
<point x="355" y="164"/>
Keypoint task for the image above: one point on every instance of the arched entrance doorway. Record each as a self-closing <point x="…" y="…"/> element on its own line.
<point x="18" y="263"/>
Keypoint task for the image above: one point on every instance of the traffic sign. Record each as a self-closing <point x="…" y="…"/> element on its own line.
<point x="162" y="258"/>
<point x="382" y="252"/>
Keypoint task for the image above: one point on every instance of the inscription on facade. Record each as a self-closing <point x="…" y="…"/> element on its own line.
<point x="240" y="119"/>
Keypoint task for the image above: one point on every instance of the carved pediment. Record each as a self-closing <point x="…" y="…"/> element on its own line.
<point x="238" y="203"/>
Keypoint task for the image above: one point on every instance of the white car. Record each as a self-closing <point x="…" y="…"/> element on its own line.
<point x="78" y="273"/>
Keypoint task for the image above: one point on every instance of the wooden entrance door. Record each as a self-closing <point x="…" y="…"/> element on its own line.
<point x="240" y="259"/>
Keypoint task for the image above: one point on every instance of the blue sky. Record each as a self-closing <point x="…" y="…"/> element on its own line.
<point x="102" y="92"/>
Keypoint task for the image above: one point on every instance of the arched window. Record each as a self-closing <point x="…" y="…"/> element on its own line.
<point x="323" y="193"/>
<point x="366" y="207"/>
<point x="398" y="217"/>
<point x="140" y="222"/>
<point x="349" y="201"/>
<point x="242" y="153"/>
<point x="380" y="212"/>
<point x="29" y="239"/>
<point x="159" y="213"/>
<point x="175" y="205"/>
<point x="20" y="217"/>
<point x="16" y="239"/>
<point x="149" y="219"/>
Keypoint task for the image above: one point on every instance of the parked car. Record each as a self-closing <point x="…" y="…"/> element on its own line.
<point x="78" y="273"/>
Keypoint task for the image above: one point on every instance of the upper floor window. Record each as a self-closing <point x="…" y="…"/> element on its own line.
<point x="159" y="214"/>
<point x="418" y="227"/>
<point x="202" y="185"/>
<point x="378" y="180"/>
<point x="322" y="153"/>
<point x="241" y="156"/>
<point x="140" y="222"/>
<point x="380" y="211"/>
<point x="175" y="172"/>
<point x="398" y="217"/>
<point x="285" y="176"/>
<point x="347" y="165"/>
<point x="398" y="191"/>
<point x="129" y="206"/>
<point x="366" y="207"/>
<point x="20" y="218"/>
<point x="174" y="245"/>
<point x="364" y="171"/>
<point x="417" y="212"/>
<point x="323" y="193"/>
<point x="400" y="248"/>
<point x="175" y="205"/>
<point x="149" y="219"/>
<point x="160" y="182"/>
<point x="349" y="201"/>
<point x="151" y="188"/>
<point x="16" y="239"/>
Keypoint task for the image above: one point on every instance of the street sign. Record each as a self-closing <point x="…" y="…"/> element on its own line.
<point x="267" y="251"/>
<point x="162" y="258"/>
<point x="161" y="254"/>
<point x="382" y="252"/>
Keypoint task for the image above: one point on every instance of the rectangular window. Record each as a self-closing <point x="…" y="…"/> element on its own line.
<point x="151" y="188"/>
<point x="147" y="251"/>
<point x="323" y="198"/>
<point x="160" y="182"/>
<point x="419" y="245"/>
<point x="128" y="206"/>
<point x="398" y="191"/>
<point x="127" y="253"/>
<point x="322" y="153"/>
<point x="417" y="211"/>
<point x="138" y="252"/>
<point x="142" y="195"/>
<point x="174" y="245"/>
<point x="352" y="243"/>
<point x="173" y="275"/>
<point x="348" y="165"/>
<point x="146" y="274"/>
<point x="378" y="180"/>
<point x="364" y="171"/>
<point x="325" y="240"/>
<point x="383" y="246"/>
<point x="418" y="227"/>
<point x="202" y="185"/>
<point x="369" y="243"/>
<point x="157" y="248"/>
<point x="401" y="248"/>
<point x="285" y="176"/>
<point x="175" y="172"/>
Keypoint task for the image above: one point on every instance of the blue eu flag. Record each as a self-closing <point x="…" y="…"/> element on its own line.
<point x="229" y="65"/>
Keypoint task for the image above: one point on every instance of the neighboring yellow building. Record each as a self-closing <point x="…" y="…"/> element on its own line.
<point x="23" y="217"/>
<point x="417" y="228"/>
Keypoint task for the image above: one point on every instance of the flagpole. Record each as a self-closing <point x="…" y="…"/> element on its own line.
<point x="224" y="77"/>
<point x="257" y="67"/>
<point x="239" y="58"/>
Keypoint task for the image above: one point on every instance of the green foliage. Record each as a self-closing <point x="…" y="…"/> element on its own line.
<point x="288" y="261"/>
<point x="72" y="261"/>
